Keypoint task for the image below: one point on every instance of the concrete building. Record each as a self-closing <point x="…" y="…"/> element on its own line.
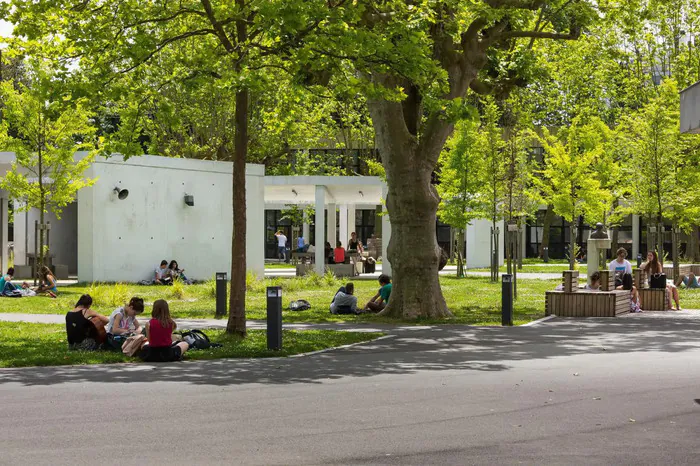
<point x="690" y="109"/>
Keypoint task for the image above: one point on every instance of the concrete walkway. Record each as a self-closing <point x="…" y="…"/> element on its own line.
<point x="595" y="391"/>
<point x="449" y="270"/>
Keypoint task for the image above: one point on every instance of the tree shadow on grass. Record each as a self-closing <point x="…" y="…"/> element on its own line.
<point x="445" y="348"/>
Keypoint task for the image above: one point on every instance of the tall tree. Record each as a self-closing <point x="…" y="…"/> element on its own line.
<point x="230" y="42"/>
<point x="569" y="180"/>
<point x="44" y="129"/>
<point x="460" y="167"/>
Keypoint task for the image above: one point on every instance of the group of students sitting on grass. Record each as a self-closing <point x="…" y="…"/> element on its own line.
<point x="345" y="301"/>
<point x="47" y="285"/>
<point x="83" y="327"/>
<point x="166" y="273"/>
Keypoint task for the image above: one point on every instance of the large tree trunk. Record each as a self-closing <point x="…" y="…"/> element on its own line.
<point x="413" y="249"/>
<point x="412" y="203"/>
<point x="548" y="217"/>
<point x="237" y="319"/>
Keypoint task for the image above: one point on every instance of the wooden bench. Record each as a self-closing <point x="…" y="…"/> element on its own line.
<point x="652" y="299"/>
<point x="302" y="258"/>
<point x="587" y="303"/>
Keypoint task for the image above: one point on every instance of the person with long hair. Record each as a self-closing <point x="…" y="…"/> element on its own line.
<point x="159" y="332"/>
<point x="654" y="266"/>
<point x="628" y="284"/>
<point x="48" y="282"/>
<point x="78" y="327"/>
<point x="175" y="272"/>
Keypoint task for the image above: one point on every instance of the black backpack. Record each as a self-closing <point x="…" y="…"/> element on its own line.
<point x="201" y="340"/>
<point x="299" y="305"/>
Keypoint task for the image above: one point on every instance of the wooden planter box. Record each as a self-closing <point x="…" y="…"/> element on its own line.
<point x="653" y="299"/>
<point x="587" y="303"/>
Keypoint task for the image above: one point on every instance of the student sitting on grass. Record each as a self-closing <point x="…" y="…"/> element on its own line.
<point x="690" y="281"/>
<point x="79" y="330"/>
<point x="175" y="272"/>
<point x="123" y="322"/>
<point x="159" y="331"/>
<point x="381" y="299"/>
<point x="48" y="283"/>
<point x="162" y="274"/>
<point x="344" y="301"/>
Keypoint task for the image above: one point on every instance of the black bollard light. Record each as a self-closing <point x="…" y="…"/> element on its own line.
<point x="507" y="300"/>
<point x="221" y="294"/>
<point x="274" y="318"/>
<point x="545" y="254"/>
<point x="639" y="260"/>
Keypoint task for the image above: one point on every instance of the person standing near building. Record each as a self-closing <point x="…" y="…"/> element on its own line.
<point x="281" y="245"/>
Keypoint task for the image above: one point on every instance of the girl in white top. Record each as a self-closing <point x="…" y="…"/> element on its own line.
<point x="123" y="320"/>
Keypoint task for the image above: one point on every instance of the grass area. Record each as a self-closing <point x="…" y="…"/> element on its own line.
<point x="278" y="265"/>
<point x="472" y="300"/>
<point x="537" y="268"/>
<point x="25" y="344"/>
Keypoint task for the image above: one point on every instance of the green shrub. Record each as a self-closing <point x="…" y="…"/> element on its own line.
<point x="104" y="295"/>
<point x="177" y="290"/>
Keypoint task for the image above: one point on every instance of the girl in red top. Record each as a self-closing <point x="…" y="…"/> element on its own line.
<point x="339" y="253"/>
<point x="159" y="331"/>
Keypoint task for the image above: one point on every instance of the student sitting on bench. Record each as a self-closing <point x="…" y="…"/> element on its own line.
<point x="595" y="283"/>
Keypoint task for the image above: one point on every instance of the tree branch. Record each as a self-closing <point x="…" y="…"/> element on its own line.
<point x="218" y="27"/>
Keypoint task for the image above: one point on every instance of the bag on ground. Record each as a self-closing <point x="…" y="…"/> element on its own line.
<point x="133" y="345"/>
<point x="198" y="340"/>
<point x="299" y="305"/>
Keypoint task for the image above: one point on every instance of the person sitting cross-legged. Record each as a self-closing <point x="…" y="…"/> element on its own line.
<point x="381" y="299"/>
<point x="344" y="301"/>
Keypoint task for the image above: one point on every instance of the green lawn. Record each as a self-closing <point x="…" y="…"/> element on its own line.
<point x="472" y="300"/>
<point x="538" y="268"/>
<point x="25" y="344"/>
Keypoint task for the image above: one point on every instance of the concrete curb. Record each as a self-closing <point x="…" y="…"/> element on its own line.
<point x="539" y="321"/>
<point x="300" y="355"/>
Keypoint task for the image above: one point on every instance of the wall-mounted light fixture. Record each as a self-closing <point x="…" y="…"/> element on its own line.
<point x="189" y="200"/>
<point x="121" y="193"/>
<point x="361" y="194"/>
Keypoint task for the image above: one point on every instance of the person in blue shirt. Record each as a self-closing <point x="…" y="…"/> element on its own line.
<point x="301" y="244"/>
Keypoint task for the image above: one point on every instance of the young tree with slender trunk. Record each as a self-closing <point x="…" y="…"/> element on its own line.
<point x="44" y="130"/>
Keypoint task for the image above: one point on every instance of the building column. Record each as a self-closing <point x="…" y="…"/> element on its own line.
<point x="4" y="219"/>
<point x="306" y="228"/>
<point x="636" y="237"/>
<point x="351" y="219"/>
<point x="320" y="258"/>
<point x="332" y="234"/>
<point x="386" y="235"/>
<point x="343" y="233"/>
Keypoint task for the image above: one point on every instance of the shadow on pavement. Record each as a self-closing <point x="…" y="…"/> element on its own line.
<point x="448" y="348"/>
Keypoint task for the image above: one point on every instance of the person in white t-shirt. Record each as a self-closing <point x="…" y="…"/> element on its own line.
<point x="620" y="266"/>
<point x="162" y="276"/>
<point x="281" y="245"/>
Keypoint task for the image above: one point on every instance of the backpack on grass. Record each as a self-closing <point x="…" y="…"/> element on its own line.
<point x="201" y="340"/>
<point x="299" y="305"/>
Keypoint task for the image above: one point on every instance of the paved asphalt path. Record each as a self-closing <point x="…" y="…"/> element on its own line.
<point x="605" y="392"/>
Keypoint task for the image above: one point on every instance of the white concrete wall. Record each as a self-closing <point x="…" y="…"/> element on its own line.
<point x="478" y="240"/>
<point x="690" y="109"/>
<point x="124" y="240"/>
<point x="63" y="238"/>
